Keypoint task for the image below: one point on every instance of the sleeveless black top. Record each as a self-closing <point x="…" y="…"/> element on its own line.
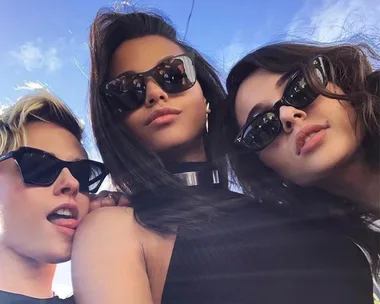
<point x="253" y="255"/>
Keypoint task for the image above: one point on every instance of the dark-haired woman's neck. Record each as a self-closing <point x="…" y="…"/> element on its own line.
<point x="358" y="183"/>
<point x="193" y="151"/>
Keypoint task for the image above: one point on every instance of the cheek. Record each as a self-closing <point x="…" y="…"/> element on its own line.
<point x="21" y="207"/>
<point x="269" y="156"/>
<point x="341" y="117"/>
<point x="133" y="121"/>
<point x="241" y="113"/>
<point x="194" y="103"/>
<point x="83" y="201"/>
<point x="350" y="122"/>
<point x="196" y="92"/>
<point x="277" y="156"/>
<point x="12" y="191"/>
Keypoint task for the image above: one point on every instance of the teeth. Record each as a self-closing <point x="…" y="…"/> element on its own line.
<point x="64" y="211"/>
<point x="309" y="137"/>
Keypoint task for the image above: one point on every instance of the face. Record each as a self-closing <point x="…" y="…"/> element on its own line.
<point x="24" y="209"/>
<point x="315" y="140"/>
<point x="185" y="117"/>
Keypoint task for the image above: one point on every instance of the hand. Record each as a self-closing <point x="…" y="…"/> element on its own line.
<point x="108" y="199"/>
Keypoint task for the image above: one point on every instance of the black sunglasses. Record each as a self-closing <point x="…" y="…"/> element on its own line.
<point x="127" y="92"/>
<point x="263" y="128"/>
<point x="41" y="168"/>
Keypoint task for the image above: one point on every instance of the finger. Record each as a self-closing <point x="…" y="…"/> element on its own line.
<point x="102" y="194"/>
<point x="108" y="201"/>
<point x="101" y="199"/>
<point x="120" y="199"/>
<point x="123" y="201"/>
<point x="95" y="204"/>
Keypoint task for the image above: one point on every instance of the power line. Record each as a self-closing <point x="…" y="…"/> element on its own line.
<point x="189" y="18"/>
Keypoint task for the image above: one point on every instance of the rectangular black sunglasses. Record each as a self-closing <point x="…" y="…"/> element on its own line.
<point x="127" y="92"/>
<point x="41" y="168"/>
<point x="262" y="129"/>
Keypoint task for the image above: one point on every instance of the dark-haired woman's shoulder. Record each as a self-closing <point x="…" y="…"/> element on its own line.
<point x="108" y="262"/>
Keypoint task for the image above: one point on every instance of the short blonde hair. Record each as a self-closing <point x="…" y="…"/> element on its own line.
<point x="39" y="106"/>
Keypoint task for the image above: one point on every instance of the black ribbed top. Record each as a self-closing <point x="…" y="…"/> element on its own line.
<point x="252" y="255"/>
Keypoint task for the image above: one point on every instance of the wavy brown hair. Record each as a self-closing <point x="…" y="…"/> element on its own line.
<point x="351" y="67"/>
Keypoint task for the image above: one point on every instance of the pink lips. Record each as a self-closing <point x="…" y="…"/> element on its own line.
<point x="160" y="113"/>
<point x="67" y="225"/>
<point x="309" y="137"/>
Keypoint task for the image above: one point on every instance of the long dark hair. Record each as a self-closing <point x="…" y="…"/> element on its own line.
<point x="349" y="67"/>
<point x="134" y="167"/>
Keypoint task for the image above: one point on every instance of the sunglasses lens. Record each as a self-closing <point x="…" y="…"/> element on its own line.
<point x="90" y="174"/>
<point x="39" y="168"/>
<point x="126" y="92"/>
<point x="261" y="131"/>
<point x="299" y="93"/>
<point x="176" y="75"/>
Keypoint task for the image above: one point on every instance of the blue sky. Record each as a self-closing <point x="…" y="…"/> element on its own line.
<point x="46" y="41"/>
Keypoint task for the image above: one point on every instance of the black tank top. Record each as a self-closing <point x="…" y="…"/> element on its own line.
<point x="252" y="255"/>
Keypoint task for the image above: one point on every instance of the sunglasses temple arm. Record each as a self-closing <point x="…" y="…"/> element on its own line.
<point x="6" y="156"/>
<point x="98" y="178"/>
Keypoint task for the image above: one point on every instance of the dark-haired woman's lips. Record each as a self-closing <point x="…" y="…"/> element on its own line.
<point x="309" y="137"/>
<point x="162" y="116"/>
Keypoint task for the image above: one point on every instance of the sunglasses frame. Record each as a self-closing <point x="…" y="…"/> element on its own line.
<point x="117" y="105"/>
<point x="318" y="62"/>
<point x="17" y="155"/>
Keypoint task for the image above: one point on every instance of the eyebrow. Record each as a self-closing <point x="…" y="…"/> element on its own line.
<point x="72" y="160"/>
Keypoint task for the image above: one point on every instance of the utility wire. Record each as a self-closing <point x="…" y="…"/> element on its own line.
<point x="189" y="18"/>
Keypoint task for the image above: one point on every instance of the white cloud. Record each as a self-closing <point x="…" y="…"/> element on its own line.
<point x="230" y="54"/>
<point x="33" y="56"/>
<point x="329" y="20"/>
<point x="239" y="46"/>
<point x="243" y="42"/>
<point x="52" y="61"/>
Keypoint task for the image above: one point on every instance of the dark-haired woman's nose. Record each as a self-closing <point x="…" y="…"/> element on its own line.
<point x="289" y="116"/>
<point x="154" y="94"/>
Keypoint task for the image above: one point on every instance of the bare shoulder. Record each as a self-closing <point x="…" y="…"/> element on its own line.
<point x="121" y="216"/>
<point x="108" y="264"/>
<point x="105" y="227"/>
